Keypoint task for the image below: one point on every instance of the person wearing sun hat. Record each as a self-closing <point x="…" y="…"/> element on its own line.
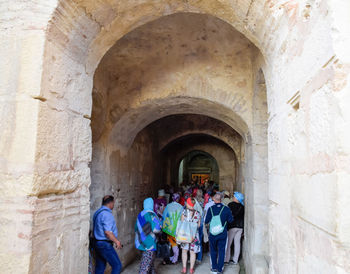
<point x="227" y="198"/>
<point x="235" y="230"/>
<point x="239" y="197"/>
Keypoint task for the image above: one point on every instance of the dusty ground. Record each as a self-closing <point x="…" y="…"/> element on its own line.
<point x="204" y="267"/>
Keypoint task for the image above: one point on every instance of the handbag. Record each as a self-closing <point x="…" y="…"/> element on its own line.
<point x="186" y="231"/>
<point x="163" y="250"/>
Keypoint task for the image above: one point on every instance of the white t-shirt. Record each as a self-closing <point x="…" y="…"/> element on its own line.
<point x="207" y="206"/>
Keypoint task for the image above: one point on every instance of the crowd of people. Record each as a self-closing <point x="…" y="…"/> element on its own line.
<point x="188" y="221"/>
<point x="177" y="226"/>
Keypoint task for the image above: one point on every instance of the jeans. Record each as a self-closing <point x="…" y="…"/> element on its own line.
<point x="106" y="253"/>
<point x="200" y="253"/>
<point x="217" y="250"/>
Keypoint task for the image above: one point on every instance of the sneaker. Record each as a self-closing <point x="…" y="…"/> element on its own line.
<point x="213" y="271"/>
<point x="233" y="262"/>
<point x="226" y="263"/>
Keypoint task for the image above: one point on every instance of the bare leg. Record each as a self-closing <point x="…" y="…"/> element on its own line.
<point x="184" y="258"/>
<point x="192" y="259"/>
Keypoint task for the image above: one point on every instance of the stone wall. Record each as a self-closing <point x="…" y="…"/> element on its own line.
<point x="130" y="178"/>
<point x="50" y="50"/>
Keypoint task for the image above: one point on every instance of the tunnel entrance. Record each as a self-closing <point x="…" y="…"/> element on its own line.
<point x="202" y="155"/>
<point x="198" y="168"/>
<point x="178" y="90"/>
<point x="137" y="63"/>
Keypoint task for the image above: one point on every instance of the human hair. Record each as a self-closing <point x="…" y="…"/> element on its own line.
<point x="192" y="201"/>
<point x="107" y="199"/>
<point x="217" y="197"/>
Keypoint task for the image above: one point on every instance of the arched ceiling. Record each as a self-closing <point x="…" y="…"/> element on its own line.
<point x="183" y="63"/>
<point x="180" y="147"/>
<point x="171" y="128"/>
<point x="73" y="18"/>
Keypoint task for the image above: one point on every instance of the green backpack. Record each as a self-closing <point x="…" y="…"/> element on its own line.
<point x="216" y="226"/>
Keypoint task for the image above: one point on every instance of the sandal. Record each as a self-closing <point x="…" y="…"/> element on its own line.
<point x="184" y="270"/>
<point x="191" y="271"/>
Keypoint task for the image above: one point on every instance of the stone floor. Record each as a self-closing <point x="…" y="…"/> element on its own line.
<point x="204" y="267"/>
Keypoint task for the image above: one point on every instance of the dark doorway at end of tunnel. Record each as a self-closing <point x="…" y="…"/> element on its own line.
<point x="198" y="167"/>
<point x="202" y="156"/>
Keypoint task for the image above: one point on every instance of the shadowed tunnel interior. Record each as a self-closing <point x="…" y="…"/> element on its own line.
<point x="177" y="90"/>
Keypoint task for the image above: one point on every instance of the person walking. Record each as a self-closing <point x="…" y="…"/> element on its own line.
<point x="105" y="234"/>
<point x="218" y="216"/>
<point x="190" y="215"/>
<point x="209" y="203"/>
<point x="198" y="207"/>
<point x="235" y="229"/>
<point x="147" y="225"/>
<point x="171" y="216"/>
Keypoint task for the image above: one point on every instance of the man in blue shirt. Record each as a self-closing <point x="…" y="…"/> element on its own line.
<point x="106" y="233"/>
<point x="217" y="242"/>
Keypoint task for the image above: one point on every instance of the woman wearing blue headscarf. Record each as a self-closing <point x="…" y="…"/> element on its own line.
<point x="147" y="225"/>
<point x="235" y="229"/>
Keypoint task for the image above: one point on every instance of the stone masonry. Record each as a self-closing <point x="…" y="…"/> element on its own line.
<point x="88" y="87"/>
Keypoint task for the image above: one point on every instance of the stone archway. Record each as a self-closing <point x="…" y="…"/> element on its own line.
<point x="228" y="165"/>
<point x="138" y="83"/>
<point x="198" y="162"/>
<point x="47" y="115"/>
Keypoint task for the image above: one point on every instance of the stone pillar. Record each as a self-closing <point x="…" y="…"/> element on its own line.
<point x="256" y="185"/>
<point x="22" y="46"/>
<point x="45" y="148"/>
<point x="308" y="143"/>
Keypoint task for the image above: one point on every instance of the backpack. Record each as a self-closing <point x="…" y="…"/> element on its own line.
<point x="216" y="226"/>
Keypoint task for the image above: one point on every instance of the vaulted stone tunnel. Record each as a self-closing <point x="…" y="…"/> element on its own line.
<point x="181" y="83"/>
<point x="108" y="96"/>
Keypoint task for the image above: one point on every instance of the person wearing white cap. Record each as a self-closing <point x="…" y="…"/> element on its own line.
<point x="160" y="203"/>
